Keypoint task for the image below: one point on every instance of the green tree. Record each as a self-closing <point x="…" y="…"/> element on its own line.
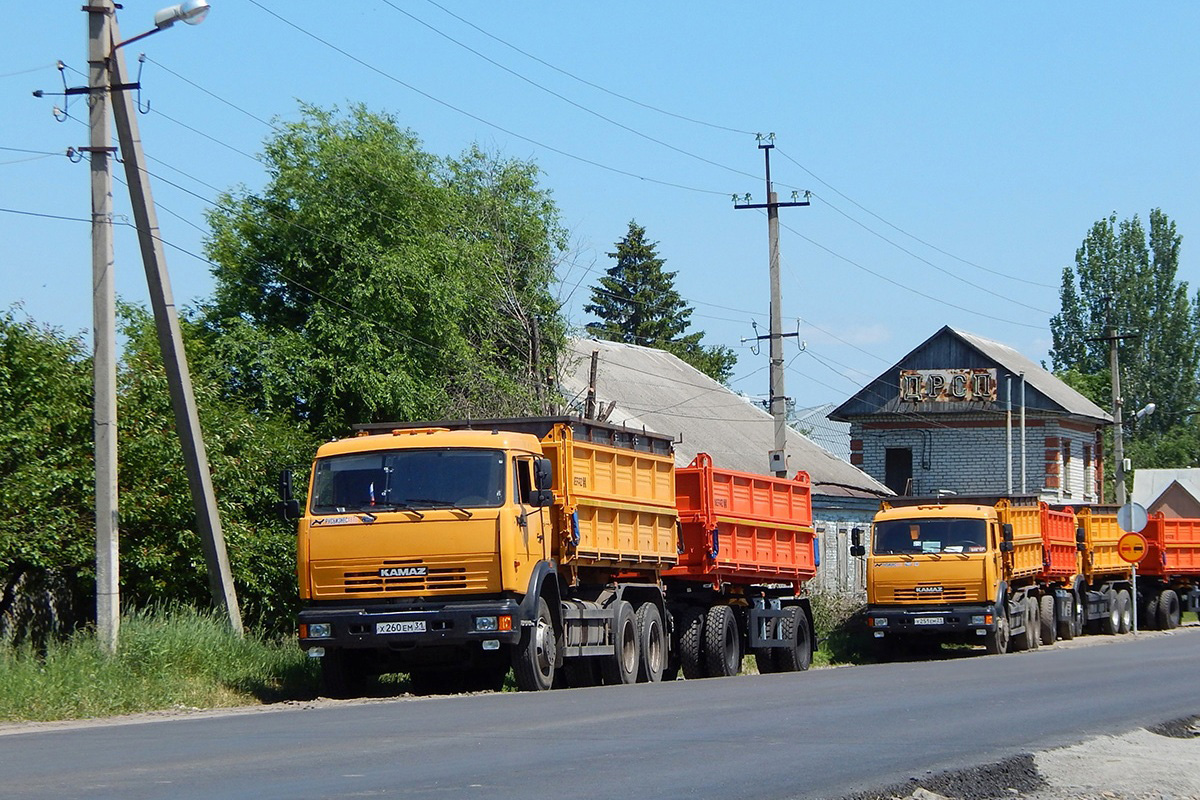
<point x="46" y="477"/>
<point x="636" y="303"/>
<point x="1125" y="279"/>
<point x="370" y="280"/>
<point x="162" y="560"/>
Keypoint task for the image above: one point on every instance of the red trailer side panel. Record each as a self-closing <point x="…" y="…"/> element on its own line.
<point x="1173" y="546"/>
<point x="1060" y="556"/>
<point x="739" y="527"/>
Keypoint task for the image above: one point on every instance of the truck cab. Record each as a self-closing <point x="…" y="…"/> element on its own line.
<point x="417" y="547"/>
<point x="932" y="570"/>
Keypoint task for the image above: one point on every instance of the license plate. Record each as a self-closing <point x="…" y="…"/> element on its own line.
<point x="928" y="620"/>
<point x="407" y="626"/>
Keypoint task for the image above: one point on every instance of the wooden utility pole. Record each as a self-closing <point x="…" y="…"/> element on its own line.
<point x="778" y="397"/>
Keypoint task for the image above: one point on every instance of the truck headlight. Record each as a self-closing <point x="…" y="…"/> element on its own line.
<point x="979" y="619"/>
<point x="317" y="630"/>
<point x="878" y="622"/>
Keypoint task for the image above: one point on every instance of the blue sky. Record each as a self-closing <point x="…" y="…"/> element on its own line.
<point x="957" y="152"/>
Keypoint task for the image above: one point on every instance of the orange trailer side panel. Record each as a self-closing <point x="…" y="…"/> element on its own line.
<point x="1173" y="546"/>
<point x="1101" y="534"/>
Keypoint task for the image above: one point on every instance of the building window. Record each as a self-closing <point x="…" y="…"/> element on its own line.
<point x="1089" y="479"/>
<point x="1066" y="466"/>
<point x="898" y="470"/>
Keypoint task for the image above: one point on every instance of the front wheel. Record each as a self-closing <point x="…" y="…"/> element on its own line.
<point x="1125" y="607"/>
<point x="996" y="641"/>
<point x="534" y="655"/>
<point x="1169" y="611"/>
<point x="1046" y="617"/>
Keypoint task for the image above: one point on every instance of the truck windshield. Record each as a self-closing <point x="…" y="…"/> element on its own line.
<point x="911" y="536"/>
<point x="408" y="479"/>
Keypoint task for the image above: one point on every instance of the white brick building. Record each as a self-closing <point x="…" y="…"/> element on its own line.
<point x="940" y="420"/>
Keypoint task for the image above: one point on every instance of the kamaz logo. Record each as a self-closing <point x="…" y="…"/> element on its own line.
<point x="403" y="572"/>
<point x="928" y="589"/>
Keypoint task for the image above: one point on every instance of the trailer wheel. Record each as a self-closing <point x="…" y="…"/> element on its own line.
<point x="722" y="643"/>
<point x="1046" y="616"/>
<point x="622" y="665"/>
<point x="534" y="655"/>
<point x="691" y="642"/>
<point x="797" y="656"/>
<point x="1125" y="604"/>
<point x="764" y="657"/>
<point x="1169" y="614"/>
<point x="342" y="674"/>
<point x="996" y="641"/>
<point x="1149" y="617"/>
<point x="653" y="644"/>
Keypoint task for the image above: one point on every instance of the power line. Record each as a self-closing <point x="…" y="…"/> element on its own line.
<point x="587" y="82"/>
<point x="44" y="216"/>
<point x="912" y="236"/>
<point x="439" y="101"/>
<point x="567" y="100"/>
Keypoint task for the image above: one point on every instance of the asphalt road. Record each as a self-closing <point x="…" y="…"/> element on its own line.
<point x="818" y="734"/>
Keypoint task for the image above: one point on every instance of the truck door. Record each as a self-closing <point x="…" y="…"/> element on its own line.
<point x="532" y="522"/>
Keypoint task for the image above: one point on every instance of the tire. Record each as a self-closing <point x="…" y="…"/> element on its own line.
<point x="1046" y="616"/>
<point x="534" y="656"/>
<point x="1033" y="622"/>
<point x="1169" y="614"/>
<point x="722" y="643"/>
<point x="1110" y="623"/>
<point x="652" y="644"/>
<point x="795" y="630"/>
<point x="996" y="641"/>
<point x="1148" y="621"/>
<point x="342" y="674"/>
<point x="764" y="657"/>
<point x="1068" y="627"/>
<point x="1025" y="640"/>
<point x="1125" y="604"/>
<point x="622" y="666"/>
<point x="691" y="642"/>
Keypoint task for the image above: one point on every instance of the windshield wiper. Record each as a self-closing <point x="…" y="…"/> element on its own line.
<point x="397" y="507"/>
<point x="442" y="504"/>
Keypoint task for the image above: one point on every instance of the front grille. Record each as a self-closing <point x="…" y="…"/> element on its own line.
<point x="949" y="594"/>
<point x="465" y="574"/>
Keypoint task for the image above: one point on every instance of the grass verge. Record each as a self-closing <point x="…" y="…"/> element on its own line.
<point x="166" y="659"/>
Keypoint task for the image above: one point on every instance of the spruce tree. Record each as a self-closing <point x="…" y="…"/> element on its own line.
<point x="636" y="303"/>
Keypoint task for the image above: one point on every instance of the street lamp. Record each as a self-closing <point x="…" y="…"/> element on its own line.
<point x="192" y="12"/>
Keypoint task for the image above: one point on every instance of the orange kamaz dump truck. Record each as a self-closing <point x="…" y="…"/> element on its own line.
<point x="455" y="550"/>
<point x="1008" y="572"/>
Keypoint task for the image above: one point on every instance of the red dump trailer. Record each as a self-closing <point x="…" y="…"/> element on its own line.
<point x="1169" y="574"/>
<point x="746" y="548"/>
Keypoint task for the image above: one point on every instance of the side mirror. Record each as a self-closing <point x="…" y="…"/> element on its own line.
<point x="543" y="475"/>
<point x="540" y="498"/>
<point x="1080" y="539"/>
<point x="856" y="546"/>
<point x="288" y="506"/>
<point x="1006" y="538"/>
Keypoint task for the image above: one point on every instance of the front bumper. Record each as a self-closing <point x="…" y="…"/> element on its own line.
<point x="374" y="628"/>
<point x="930" y="620"/>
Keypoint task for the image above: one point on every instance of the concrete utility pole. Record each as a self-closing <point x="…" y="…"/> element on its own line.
<point x="170" y="341"/>
<point x="104" y="364"/>
<point x="778" y="399"/>
<point x="1113" y="338"/>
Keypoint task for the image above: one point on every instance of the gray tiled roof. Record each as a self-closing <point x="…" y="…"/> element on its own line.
<point x="656" y="390"/>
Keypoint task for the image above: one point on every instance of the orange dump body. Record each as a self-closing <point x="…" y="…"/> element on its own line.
<point x="1060" y="556"/>
<point x="742" y="528"/>
<point x="1172" y="546"/>
<point x="1102" y="534"/>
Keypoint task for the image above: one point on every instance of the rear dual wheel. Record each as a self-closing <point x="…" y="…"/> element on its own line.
<point x="1046" y="618"/>
<point x="622" y="666"/>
